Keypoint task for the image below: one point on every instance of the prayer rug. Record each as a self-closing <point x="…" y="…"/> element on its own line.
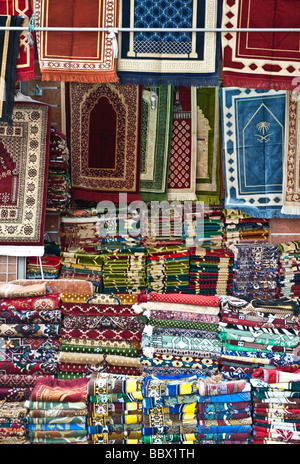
<point x="183" y="155"/>
<point x="76" y="55"/>
<point x="9" y="51"/>
<point x="208" y="156"/>
<point x="253" y="126"/>
<point x="156" y="142"/>
<point x="179" y="58"/>
<point x="25" y="63"/>
<point x="105" y="123"/>
<point x="24" y="150"/>
<point x="261" y="59"/>
<point x="291" y="177"/>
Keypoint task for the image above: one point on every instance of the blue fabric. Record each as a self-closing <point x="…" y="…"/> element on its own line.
<point x="253" y="126"/>
<point x="149" y="56"/>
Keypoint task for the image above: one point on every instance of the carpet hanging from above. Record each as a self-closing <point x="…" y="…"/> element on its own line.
<point x="176" y="58"/>
<point x="253" y="129"/>
<point x="24" y="148"/>
<point x="78" y="56"/>
<point x="105" y="126"/>
<point x="9" y="51"/>
<point x="261" y="59"/>
<point x="25" y="63"/>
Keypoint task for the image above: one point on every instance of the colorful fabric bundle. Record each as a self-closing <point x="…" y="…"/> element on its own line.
<point x="155" y="144"/>
<point x="59" y="183"/>
<point x="204" y="226"/>
<point x="253" y="129"/>
<point x="224" y="410"/>
<point x="167" y="345"/>
<point x="211" y="271"/>
<point x="170" y="409"/>
<point x="168" y="268"/>
<point x="101" y="334"/>
<point x="114" y="409"/>
<point x="58" y="412"/>
<point x="176" y="58"/>
<point x="255" y="270"/>
<point x="13" y="422"/>
<point x="82" y="266"/>
<point x="48" y="267"/>
<point x="241" y="228"/>
<point x="75" y="55"/>
<point x="288" y="270"/>
<point x="276" y="401"/>
<point x="261" y="59"/>
<point x="79" y="234"/>
<point x="257" y="334"/>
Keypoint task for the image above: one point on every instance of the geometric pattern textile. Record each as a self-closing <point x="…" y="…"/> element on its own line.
<point x="24" y="148"/>
<point x="269" y="60"/>
<point x="176" y="58"/>
<point x="253" y="130"/>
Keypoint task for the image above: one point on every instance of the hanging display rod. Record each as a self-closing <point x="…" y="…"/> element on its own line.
<point x="150" y="29"/>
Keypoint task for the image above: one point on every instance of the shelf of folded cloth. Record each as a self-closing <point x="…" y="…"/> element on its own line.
<point x="241" y="228"/>
<point x="99" y="333"/>
<point x="170" y="409"/>
<point x="57" y="411"/>
<point x="211" y="271"/>
<point x="114" y="409"/>
<point x="289" y="270"/>
<point x="258" y="333"/>
<point x="255" y="270"/>
<point x="224" y="411"/>
<point x="276" y="406"/>
<point x="181" y="333"/>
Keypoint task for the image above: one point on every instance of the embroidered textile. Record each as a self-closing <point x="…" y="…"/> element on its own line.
<point x="24" y="149"/>
<point x="60" y="391"/>
<point x="105" y="141"/>
<point x="253" y="128"/>
<point x="180" y="58"/>
<point x="75" y="55"/>
<point x="260" y="59"/>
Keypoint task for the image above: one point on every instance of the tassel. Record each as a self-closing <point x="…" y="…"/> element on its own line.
<point x="112" y="35"/>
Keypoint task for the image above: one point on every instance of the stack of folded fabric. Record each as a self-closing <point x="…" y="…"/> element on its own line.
<point x="224" y="411"/>
<point x="58" y="411"/>
<point x="241" y="228"/>
<point x="289" y="269"/>
<point x="59" y="183"/>
<point x="29" y="329"/>
<point x="211" y="271"/>
<point x="47" y="267"/>
<point x="257" y="333"/>
<point x="168" y="267"/>
<point x="181" y="335"/>
<point x="79" y="233"/>
<point x="13" y="422"/>
<point x="115" y="409"/>
<point x="204" y="226"/>
<point x="83" y="266"/>
<point x="170" y="409"/>
<point x="276" y="406"/>
<point x="255" y="270"/>
<point x="99" y="333"/>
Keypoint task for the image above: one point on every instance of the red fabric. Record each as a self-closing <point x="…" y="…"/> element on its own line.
<point x="271" y="375"/>
<point x="48" y="302"/>
<point x="50" y="389"/>
<point x="179" y="298"/>
<point x="101" y="334"/>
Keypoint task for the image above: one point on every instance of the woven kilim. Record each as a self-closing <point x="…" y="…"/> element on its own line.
<point x="24" y="150"/>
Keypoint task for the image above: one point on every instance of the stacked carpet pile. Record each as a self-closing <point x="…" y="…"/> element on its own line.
<point x="257" y="333"/>
<point x="48" y="267"/>
<point x="181" y="333"/>
<point x="276" y="406"/>
<point x="224" y="411"/>
<point x="82" y="266"/>
<point x="168" y="266"/>
<point x="170" y="409"/>
<point x="115" y="409"/>
<point x="211" y="271"/>
<point x="289" y="269"/>
<point x="204" y="226"/>
<point x="241" y="228"/>
<point x="57" y="411"/>
<point x="255" y="270"/>
<point x="29" y="329"/>
<point x="79" y="232"/>
<point x="99" y="333"/>
<point x="59" y="183"/>
<point x="13" y="418"/>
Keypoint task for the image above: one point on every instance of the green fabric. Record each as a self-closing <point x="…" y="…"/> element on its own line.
<point x="208" y="180"/>
<point x="156" y="188"/>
